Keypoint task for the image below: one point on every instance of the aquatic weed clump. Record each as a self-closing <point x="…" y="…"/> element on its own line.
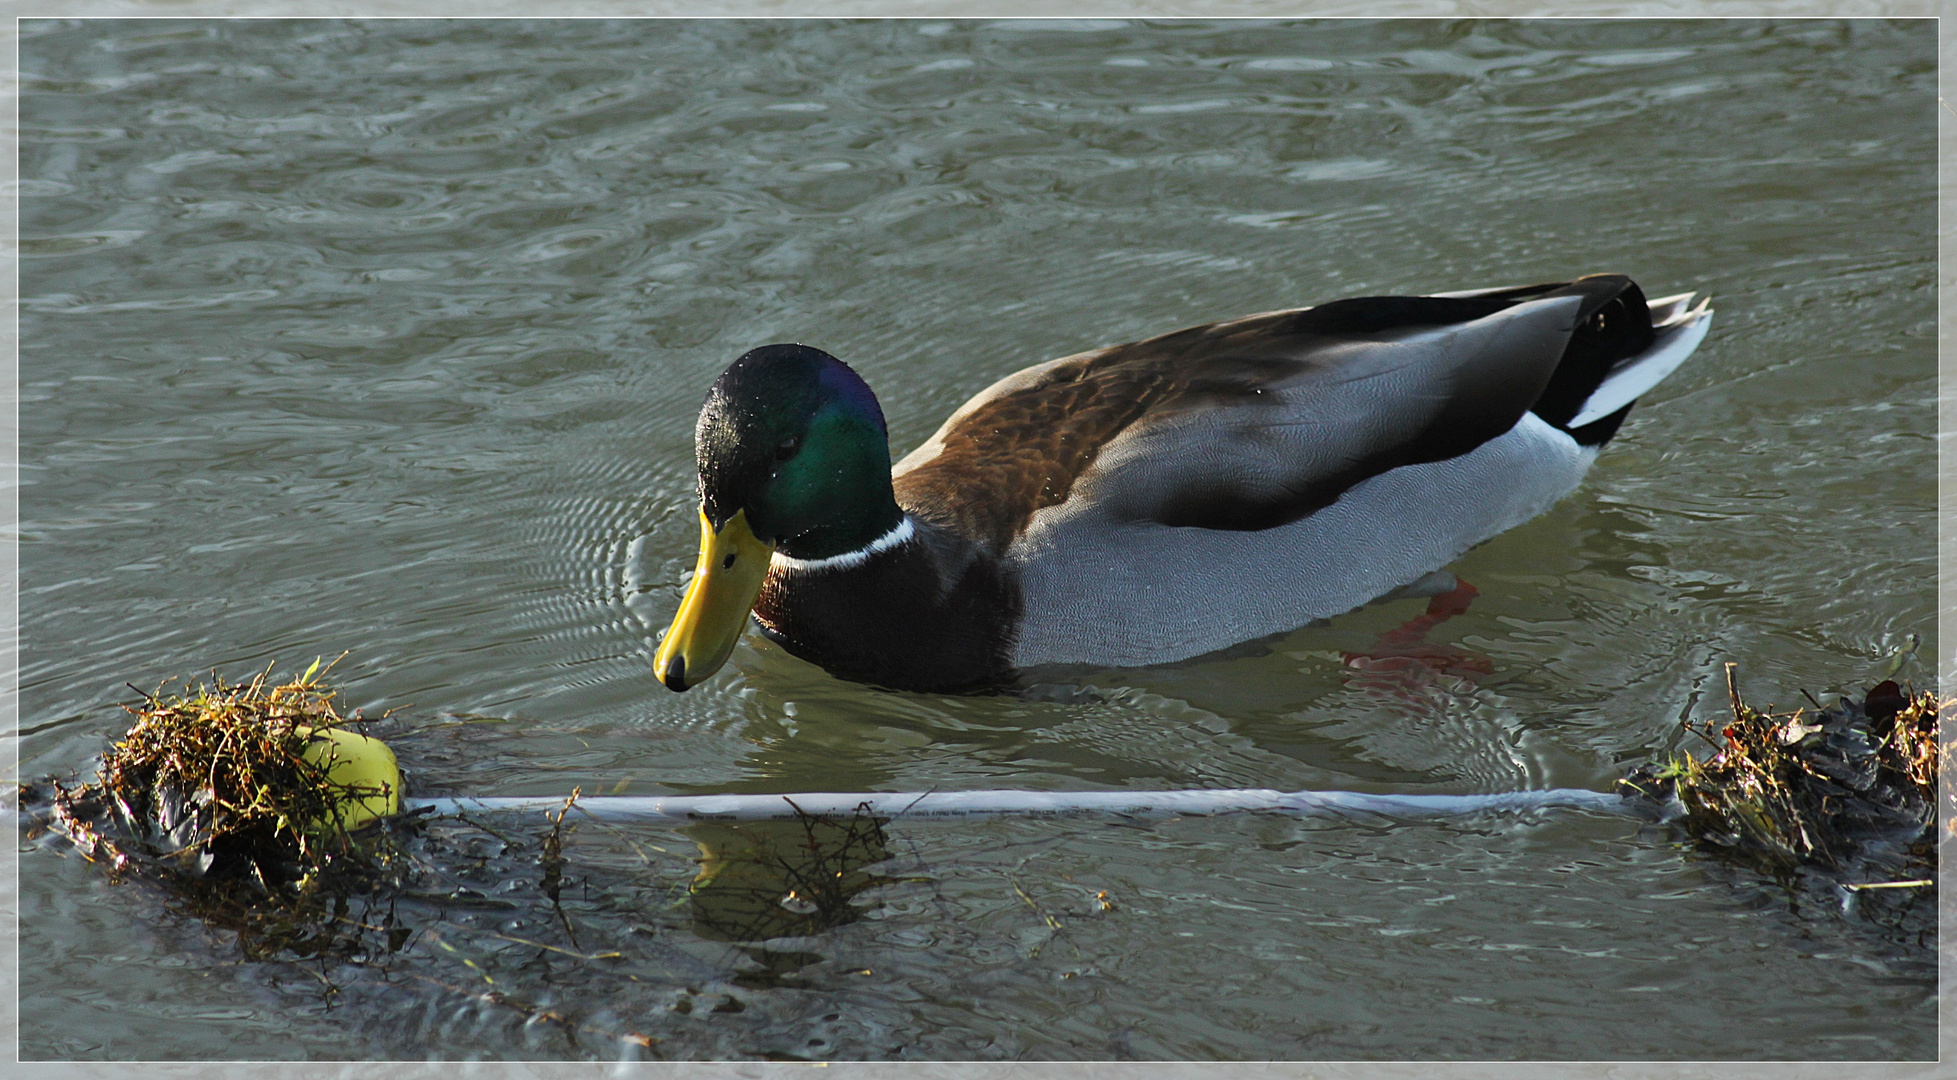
<point x="1848" y="790"/>
<point x="226" y="782"/>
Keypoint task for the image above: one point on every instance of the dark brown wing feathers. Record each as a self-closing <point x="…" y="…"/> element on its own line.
<point x="1024" y="450"/>
<point x="1021" y="452"/>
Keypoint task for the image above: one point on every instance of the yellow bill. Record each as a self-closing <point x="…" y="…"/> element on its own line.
<point x="714" y="611"/>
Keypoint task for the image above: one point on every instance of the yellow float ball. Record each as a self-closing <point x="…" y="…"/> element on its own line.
<point x="363" y="767"/>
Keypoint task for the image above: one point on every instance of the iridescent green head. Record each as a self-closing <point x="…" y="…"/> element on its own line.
<point x="794" y="457"/>
<point x="793" y="437"/>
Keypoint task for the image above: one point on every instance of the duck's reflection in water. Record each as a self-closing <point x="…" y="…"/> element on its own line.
<point x="763" y="881"/>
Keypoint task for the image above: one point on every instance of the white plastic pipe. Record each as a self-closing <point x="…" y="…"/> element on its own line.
<point x="965" y="804"/>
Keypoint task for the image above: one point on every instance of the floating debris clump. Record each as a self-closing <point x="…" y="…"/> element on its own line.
<point x="231" y="782"/>
<point x="1845" y="793"/>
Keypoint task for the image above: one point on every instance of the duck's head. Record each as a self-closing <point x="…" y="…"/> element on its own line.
<point x="794" y="457"/>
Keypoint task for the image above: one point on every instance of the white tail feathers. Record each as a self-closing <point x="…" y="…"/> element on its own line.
<point x="1679" y="330"/>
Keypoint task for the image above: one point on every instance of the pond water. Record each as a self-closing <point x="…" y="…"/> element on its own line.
<point x="386" y="338"/>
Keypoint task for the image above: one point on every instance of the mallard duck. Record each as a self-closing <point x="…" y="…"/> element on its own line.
<point x="1150" y="502"/>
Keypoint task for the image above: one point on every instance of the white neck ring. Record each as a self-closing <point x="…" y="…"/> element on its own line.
<point x="902" y="532"/>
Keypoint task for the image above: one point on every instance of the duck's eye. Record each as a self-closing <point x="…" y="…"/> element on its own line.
<point x="786" y="448"/>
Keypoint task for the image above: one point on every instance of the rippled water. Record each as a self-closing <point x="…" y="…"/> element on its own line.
<point x="386" y="338"/>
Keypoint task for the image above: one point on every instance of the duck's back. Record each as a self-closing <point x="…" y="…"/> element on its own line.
<point x="1172" y="496"/>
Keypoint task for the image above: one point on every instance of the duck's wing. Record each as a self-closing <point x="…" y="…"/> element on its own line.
<point x="1260" y="421"/>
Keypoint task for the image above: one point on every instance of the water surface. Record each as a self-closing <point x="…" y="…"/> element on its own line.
<point x="385" y="338"/>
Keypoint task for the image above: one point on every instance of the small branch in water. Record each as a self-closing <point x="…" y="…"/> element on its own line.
<point x="552" y="860"/>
